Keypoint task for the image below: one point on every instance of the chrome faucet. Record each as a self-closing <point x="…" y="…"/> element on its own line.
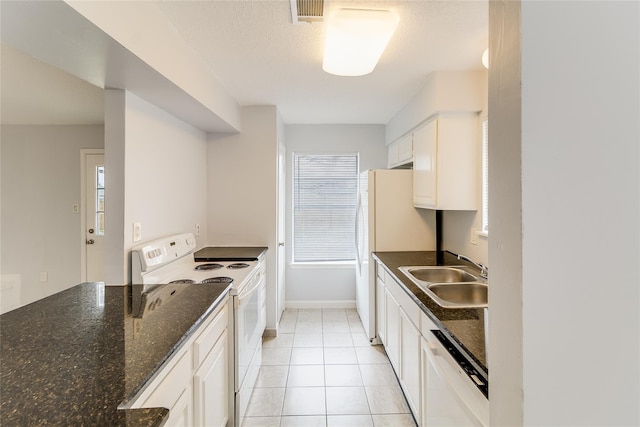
<point x="484" y="270"/>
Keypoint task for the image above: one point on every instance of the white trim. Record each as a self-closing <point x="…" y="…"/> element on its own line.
<point x="483" y="234"/>
<point x="321" y="304"/>
<point x="322" y="265"/>
<point x="84" y="152"/>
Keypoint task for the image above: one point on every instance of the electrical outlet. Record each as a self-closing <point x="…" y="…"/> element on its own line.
<point x="197" y="229"/>
<point x="44" y="276"/>
<point x="474" y="236"/>
<point x="137" y="231"/>
<point x="76" y="209"/>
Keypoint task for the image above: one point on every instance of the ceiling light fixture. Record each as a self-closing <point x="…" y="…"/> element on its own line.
<point x="355" y="40"/>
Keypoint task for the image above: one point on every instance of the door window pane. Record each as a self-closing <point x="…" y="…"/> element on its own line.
<point x="100" y="201"/>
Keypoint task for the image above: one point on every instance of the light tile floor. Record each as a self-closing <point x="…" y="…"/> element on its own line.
<point x="322" y="371"/>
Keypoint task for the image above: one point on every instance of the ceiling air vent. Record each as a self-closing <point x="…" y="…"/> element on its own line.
<point x="307" y="10"/>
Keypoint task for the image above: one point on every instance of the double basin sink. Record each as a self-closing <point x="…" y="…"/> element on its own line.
<point x="450" y="286"/>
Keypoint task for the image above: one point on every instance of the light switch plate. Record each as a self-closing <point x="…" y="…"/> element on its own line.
<point x="137" y="231"/>
<point x="474" y="236"/>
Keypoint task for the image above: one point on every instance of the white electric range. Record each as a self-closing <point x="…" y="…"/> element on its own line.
<point x="166" y="266"/>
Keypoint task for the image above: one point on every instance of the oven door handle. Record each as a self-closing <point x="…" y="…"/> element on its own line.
<point x="246" y="294"/>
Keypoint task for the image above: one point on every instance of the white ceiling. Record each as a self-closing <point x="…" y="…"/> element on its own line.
<point x="263" y="59"/>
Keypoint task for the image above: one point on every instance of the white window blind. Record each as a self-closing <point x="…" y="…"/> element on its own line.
<point x="324" y="206"/>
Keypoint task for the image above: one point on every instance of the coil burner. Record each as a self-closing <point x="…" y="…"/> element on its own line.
<point x="238" y="265"/>
<point x="182" y="282"/>
<point x="205" y="267"/>
<point x="221" y="279"/>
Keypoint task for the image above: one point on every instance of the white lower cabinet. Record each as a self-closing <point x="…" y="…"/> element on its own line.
<point x="211" y="387"/>
<point x="410" y="362"/>
<point x="434" y="397"/>
<point x="181" y="414"/>
<point x="381" y="320"/>
<point x="399" y="323"/>
<point x="170" y="384"/>
<point x="392" y="316"/>
<point x="194" y="383"/>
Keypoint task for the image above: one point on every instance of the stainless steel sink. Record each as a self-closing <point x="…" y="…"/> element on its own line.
<point x="468" y="294"/>
<point x="449" y="287"/>
<point x="440" y="274"/>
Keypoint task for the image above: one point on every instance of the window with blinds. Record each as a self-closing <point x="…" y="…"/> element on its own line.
<point x="324" y="207"/>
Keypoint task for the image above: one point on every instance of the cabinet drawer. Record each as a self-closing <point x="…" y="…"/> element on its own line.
<point x="171" y="384"/>
<point x="205" y="342"/>
<point x="426" y="324"/>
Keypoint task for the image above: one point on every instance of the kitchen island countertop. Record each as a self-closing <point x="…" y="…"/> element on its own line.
<point x="465" y="325"/>
<point x="74" y="357"/>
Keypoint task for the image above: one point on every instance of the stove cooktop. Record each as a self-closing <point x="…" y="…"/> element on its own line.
<point x="229" y="253"/>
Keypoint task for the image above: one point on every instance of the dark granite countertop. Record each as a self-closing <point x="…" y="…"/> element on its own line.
<point x="74" y="357"/>
<point x="229" y="253"/>
<point x="464" y="325"/>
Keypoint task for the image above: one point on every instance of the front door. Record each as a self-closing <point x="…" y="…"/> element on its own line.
<point x="94" y="209"/>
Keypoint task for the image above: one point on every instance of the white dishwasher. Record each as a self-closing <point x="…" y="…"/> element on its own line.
<point x="453" y="395"/>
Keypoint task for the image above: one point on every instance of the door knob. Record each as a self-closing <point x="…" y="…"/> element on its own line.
<point x="90" y="242"/>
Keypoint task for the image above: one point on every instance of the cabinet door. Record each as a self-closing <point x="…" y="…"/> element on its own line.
<point x="392" y="316"/>
<point x="410" y="362"/>
<point x="181" y="413"/>
<point x="211" y="387"/>
<point x="392" y="155"/>
<point x="425" y="154"/>
<point x="381" y="320"/>
<point x="405" y="149"/>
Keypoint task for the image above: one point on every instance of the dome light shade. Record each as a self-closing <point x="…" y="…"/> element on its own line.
<point x="355" y="40"/>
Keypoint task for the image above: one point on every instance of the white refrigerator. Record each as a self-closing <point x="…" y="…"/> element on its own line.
<point x="386" y="221"/>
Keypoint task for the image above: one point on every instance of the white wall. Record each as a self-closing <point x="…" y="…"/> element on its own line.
<point x="332" y="285"/>
<point x="40" y="232"/>
<point x="158" y="177"/>
<point x="242" y="189"/>
<point x="505" y="210"/>
<point x="580" y="193"/>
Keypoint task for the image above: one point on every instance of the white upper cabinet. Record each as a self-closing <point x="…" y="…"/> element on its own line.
<point x="400" y="152"/>
<point x="445" y="163"/>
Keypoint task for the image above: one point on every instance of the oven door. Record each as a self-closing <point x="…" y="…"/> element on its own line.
<point x="250" y="324"/>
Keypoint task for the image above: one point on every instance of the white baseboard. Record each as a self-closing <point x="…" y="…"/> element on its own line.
<point x="321" y="304"/>
<point x="270" y="332"/>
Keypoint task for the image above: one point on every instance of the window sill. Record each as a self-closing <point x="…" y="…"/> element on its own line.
<point x="320" y="265"/>
<point x="483" y="234"/>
